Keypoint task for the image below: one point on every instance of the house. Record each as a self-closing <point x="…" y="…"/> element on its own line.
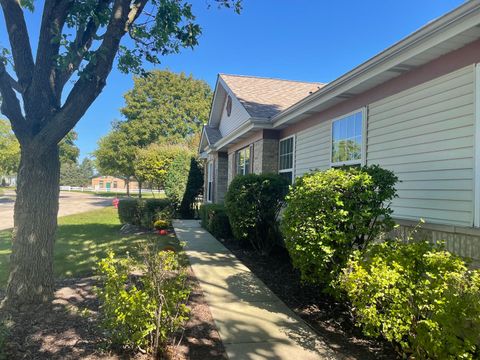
<point x="413" y="108"/>
<point x="111" y="183"/>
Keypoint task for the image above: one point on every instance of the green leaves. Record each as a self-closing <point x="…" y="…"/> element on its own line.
<point x="253" y="203"/>
<point x="331" y="213"/>
<point x="134" y="309"/>
<point x="417" y="295"/>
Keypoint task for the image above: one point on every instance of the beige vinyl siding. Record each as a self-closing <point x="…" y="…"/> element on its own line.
<point x="426" y="136"/>
<point x="312" y="150"/>
<point x="238" y="116"/>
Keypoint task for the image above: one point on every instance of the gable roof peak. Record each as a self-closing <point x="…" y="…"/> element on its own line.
<point x="266" y="97"/>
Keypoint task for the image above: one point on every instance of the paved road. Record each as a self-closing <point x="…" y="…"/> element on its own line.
<point x="70" y="203"/>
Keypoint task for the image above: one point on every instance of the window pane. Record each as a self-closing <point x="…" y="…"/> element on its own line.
<point x="347" y="138"/>
<point x="358" y="124"/>
<point x="287" y="175"/>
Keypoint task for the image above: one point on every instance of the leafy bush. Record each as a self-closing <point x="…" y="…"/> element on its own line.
<point x="193" y="189"/>
<point x="147" y="312"/>
<point x="161" y="224"/>
<point x="331" y="213"/>
<point x="418" y="296"/>
<point x="253" y="203"/>
<point x="214" y="218"/>
<point x="141" y="212"/>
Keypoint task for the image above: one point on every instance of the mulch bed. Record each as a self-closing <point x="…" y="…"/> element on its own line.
<point x="68" y="328"/>
<point x="331" y="319"/>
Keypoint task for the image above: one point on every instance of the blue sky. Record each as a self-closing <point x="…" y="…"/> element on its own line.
<point x="310" y="40"/>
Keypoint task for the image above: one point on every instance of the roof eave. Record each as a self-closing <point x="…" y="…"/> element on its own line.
<point x="456" y="21"/>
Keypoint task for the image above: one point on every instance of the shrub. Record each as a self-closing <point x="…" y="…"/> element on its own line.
<point x="161" y="224"/>
<point x="214" y="218"/>
<point x="176" y="178"/>
<point x="253" y="203"/>
<point x="193" y="189"/>
<point x="140" y="212"/>
<point x="417" y="295"/>
<point x="331" y="213"/>
<point x="146" y="313"/>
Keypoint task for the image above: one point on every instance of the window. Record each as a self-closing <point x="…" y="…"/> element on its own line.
<point x="210" y="182"/>
<point x="347" y="139"/>
<point x="242" y="161"/>
<point x="101" y="183"/>
<point x="229" y="105"/>
<point x="115" y="184"/>
<point x="285" y="158"/>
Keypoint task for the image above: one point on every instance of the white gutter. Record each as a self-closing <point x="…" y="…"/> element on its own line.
<point x="441" y="29"/>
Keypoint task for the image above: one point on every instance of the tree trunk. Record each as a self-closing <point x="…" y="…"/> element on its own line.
<point x="139" y="189"/>
<point x="128" y="187"/>
<point x="31" y="262"/>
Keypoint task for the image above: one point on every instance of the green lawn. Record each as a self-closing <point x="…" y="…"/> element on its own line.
<point x="82" y="239"/>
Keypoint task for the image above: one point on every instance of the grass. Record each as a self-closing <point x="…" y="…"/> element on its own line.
<point x="82" y="239"/>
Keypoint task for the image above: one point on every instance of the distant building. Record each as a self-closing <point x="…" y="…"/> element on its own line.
<point x="112" y="183"/>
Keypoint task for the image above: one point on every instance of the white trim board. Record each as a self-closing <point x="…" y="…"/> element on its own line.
<point x="476" y="213"/>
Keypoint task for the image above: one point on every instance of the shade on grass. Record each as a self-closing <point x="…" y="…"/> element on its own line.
<point x="82" y="239"/>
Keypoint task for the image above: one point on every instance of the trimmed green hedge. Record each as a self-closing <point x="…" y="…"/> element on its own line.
<point x="253" y="203"/>
<point x="331" y="213"/>
<point x="214" y="219"/>
<point x="140" y="212"/>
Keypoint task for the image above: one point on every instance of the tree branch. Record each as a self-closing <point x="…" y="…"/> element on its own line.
<point x="83" y="42"/>
<point x="19" y="41"/>
<point x="10" y="104"/>
<point x="93" y="79"/>
<point x="43" y="83"/>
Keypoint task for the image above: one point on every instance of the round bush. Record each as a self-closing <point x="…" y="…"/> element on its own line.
<point x="253" y="203"/>
<point x="331" y="213"/>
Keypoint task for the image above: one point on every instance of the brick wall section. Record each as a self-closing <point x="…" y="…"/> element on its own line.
<point x="270" y="156"/>
<point x="231" y="167"/>
<point x="258" y="156"/>
<point x="221" y="177"/>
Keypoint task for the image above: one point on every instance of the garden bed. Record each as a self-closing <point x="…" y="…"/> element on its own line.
<point x="68" y="328"/>
<point x="331" y="319"/>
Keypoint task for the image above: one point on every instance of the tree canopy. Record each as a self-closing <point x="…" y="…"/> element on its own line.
<point x="166" y="104"/>
<point x="163" y="108"/>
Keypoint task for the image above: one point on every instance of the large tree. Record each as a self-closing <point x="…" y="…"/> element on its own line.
<point x="166" y="105"/>
<point x="77" y="44"/>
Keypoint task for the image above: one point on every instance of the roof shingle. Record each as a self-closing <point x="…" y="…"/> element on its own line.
<point x="266" y="97"/>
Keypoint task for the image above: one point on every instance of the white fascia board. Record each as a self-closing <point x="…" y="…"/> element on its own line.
<point x="214" y="99"/>
<point x="476" y="193"/>
<point x="457" y="21"/>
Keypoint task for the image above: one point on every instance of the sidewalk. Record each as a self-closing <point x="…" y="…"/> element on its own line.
<point x="252" y="322"/>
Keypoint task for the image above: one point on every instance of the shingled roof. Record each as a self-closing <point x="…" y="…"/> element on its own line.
<point x="266" y="97"/>
<point x="213" y="134"/>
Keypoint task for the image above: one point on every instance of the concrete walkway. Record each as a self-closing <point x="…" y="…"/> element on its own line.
<point x="252" y="322"/>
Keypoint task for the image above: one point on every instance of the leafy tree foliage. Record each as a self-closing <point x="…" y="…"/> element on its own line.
<point x="78" y="44"/>
<point x="74" y="174"/>
<point x="166" y="105"/>
<point x="9" y="149"/>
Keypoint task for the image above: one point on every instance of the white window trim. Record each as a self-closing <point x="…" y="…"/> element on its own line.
<point x="292" y="169"/>
<point x="250" y="159"/>
<point x="363" y="160"/>
<point x="476" y="192"/>
<point x="209" y="180"/>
